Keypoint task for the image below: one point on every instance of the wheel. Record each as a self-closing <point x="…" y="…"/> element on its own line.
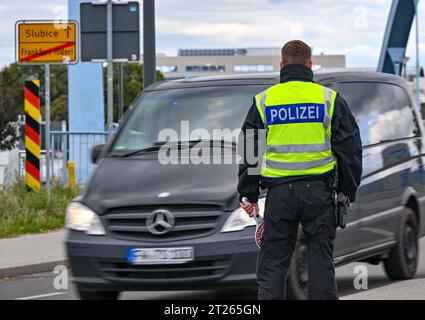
<point x="402" y="261"/>
<point x="97" y="295"/>
<point x="297" y="280"/>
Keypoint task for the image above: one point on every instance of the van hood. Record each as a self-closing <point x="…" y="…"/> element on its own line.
<point x="135" y="181"/>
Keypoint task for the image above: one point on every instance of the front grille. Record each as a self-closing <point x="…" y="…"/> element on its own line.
<point x="195" y="269"/>
<point x="189" y="221"/>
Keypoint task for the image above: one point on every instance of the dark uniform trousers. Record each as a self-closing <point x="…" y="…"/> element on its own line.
<point x="287" y="205"/>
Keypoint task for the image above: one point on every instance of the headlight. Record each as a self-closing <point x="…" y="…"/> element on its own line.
<point x="239" y="220"/>
<point x="81" y="218"/>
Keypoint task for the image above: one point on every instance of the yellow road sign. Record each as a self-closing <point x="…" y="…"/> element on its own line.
<point x="46" y="42"/>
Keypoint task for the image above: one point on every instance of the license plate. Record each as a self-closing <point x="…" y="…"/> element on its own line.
<point x="160" y="255"/>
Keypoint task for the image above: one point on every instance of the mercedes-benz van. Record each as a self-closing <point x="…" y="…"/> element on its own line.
<point x="141" y="224"/>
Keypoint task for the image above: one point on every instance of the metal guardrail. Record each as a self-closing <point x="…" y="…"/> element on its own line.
<point x="76" y="147"/>
<point x="68" y="146"/>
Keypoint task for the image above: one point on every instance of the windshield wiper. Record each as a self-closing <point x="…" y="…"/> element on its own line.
<point x="143" y="150"/>
<point x="213" y="142"/>
<point x="190" y="143"/>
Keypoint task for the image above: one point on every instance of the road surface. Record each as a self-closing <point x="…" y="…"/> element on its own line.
<point x="41" y="286"/>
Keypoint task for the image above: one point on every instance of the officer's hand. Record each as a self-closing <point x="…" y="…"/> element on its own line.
<point x="250" y="208"/>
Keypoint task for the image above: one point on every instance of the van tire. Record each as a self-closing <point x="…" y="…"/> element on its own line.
<point x="402" y="261"/>
<point x="97" y="295"/>
<point x="297" y="280"/>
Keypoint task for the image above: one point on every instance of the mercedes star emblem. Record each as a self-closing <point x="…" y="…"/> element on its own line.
<point x="160" y="221"/>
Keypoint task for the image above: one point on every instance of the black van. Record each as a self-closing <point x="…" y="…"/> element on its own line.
<point x="142" y="225"/>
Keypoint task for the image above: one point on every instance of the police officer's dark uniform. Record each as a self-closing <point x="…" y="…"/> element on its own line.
<point x="311" y="132"/>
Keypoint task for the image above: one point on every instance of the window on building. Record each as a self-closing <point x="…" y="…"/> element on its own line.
<point x="206" y="68"/>
<point x="253" y="68"/>
<point x="166" y="69"/>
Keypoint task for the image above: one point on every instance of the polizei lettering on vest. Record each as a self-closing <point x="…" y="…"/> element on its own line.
<point x="295" y="113"/>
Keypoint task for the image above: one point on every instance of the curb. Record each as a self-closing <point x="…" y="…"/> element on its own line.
<point x="31" y="268"/>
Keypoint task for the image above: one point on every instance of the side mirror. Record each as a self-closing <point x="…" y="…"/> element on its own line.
<point x="95" y="152"/>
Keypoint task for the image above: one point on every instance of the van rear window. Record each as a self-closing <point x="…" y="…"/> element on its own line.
<point x="383" y="111"/>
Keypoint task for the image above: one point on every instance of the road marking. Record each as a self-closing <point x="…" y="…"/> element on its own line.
<point x="42" y="296"/>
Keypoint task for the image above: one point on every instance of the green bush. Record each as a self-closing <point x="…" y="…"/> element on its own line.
<point x="23" y="211"/>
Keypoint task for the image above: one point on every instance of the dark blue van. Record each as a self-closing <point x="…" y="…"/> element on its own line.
<point x="141" y="225"/>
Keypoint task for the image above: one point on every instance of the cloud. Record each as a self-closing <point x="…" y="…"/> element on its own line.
<point x="352" y="27"/>
<point x="382" y="127"/>
<point x="23" y="10"/>
<point x="230" y="32"/>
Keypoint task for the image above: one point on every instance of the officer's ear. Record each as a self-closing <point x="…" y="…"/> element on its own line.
<point x="310" y="64"/>
<point x="281" y="64"/>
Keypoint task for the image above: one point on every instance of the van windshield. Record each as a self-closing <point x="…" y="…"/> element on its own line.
<point x="205" y="109"/>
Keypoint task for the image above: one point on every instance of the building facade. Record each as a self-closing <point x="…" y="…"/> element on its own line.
<point x="207" y="62"/>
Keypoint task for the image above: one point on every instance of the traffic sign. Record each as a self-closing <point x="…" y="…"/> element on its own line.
<point x="125" y="31"/>
<point x="46" y="42"/>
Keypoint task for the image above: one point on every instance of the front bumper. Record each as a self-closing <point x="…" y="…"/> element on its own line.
<point x="221" y="259"/>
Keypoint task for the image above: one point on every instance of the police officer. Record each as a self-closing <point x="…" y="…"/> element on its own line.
<point x="310" y="135"/>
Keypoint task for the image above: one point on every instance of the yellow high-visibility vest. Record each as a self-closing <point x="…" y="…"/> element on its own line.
<point x="297" y="116"/>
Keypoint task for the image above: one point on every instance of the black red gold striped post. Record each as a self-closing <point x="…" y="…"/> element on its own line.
<point x="32" y="133"/>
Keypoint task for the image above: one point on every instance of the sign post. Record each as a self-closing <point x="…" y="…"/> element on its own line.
<point x="149" y="51"/>
<point x="110" y="65"/>
<point x="44" y="42"/>
<point x="120" y="90"/>
<point x="117" y="40"/>
<point x="47" y="105"/>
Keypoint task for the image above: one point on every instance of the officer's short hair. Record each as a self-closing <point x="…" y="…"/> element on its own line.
<point x="296" y="52"/>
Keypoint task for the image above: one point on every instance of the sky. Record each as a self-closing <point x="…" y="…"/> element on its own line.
<point x="351" y="27"/>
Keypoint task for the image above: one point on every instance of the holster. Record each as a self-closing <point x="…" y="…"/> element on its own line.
<point x="340" y="203"/>
<point x="341" y="212"/>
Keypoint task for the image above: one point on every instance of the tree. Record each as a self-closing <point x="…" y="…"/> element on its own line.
<point x="59" y="108"/>
<point x="132" y="85"/>
<point x="12" y="79"/>
<point x="11" y="103"/>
